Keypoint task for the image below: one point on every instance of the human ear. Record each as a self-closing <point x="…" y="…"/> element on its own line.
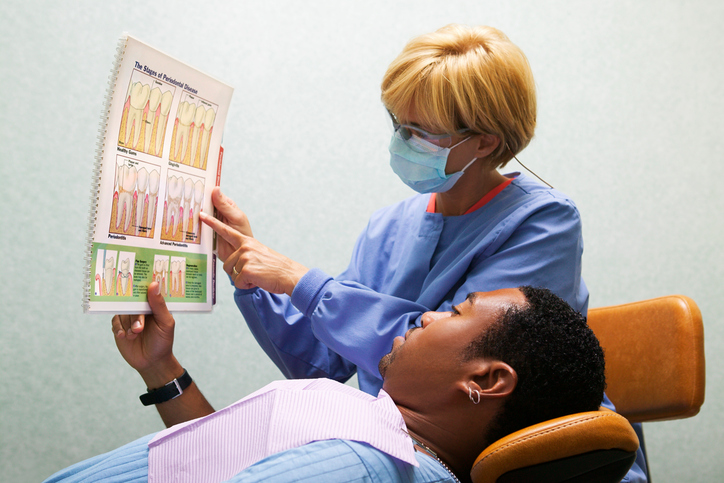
<point x="492" y="380"/>
<point x="487" y="143"/>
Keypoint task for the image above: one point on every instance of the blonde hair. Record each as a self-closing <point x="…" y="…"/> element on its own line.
<point x="461" y="77"/>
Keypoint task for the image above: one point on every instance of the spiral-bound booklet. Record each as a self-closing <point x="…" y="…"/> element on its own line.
<point x="158" y="158"/>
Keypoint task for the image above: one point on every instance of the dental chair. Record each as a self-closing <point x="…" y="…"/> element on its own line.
<point x="654" y="351"/>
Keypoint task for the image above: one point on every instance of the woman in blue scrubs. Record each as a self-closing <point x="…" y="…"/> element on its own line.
<point x="462" y="102"/>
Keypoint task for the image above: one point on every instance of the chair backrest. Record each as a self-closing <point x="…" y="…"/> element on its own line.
<point x="654" y="352"/>
<point x="655" y="370"/>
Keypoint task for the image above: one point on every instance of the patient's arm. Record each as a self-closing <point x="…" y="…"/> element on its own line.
<point x="146" y="343"/>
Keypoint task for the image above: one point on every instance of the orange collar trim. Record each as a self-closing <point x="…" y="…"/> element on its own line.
<point x="431" y="205"/>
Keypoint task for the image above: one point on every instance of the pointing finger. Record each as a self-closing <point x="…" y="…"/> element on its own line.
<point x="233" y="237"/>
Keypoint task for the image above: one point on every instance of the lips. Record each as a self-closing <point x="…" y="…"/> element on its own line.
<point x="410" y="331"/>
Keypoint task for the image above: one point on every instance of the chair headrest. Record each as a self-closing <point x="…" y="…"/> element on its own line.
<point x="592" y="446"/>
<point x="655" y="366"/>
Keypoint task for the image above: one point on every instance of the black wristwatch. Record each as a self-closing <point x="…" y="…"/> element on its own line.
<point x="170" y="391"/>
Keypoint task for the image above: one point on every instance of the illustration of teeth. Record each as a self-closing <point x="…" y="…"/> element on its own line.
<point x="175" y="187"/>
<point x="159" y="274"/>
<point x="126" y="185"/>
<point x="198" y="200"/>
<point x="154" y="180"/>
<point x="194" y="160"/>
<point x="141" y="185"/>
<point x="185" y="116"/>
<point x="154" y="99"/>
<point x="158" y="270"/>
<point x="175" y="274"/>
<point x="124" y="275"/>
<point x="188" y="197"/>
<point x="182" y="270"/>
<point x="118" y="174"/>
<point x="163" y="119"/>
<point x="208" y="124"/>
<point x="109" y="268"/>
<point x="139" y="95"/>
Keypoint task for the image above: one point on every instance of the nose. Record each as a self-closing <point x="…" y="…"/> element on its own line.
<point x="430" y="317"/>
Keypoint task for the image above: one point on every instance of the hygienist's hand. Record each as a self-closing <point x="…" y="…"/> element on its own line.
<point x="146" y="341"/>
<point x="253" y="264"/>
<point x="231" y="215"/>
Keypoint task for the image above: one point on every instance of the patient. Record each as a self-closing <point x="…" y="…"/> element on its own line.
<point x="500" y="361"/>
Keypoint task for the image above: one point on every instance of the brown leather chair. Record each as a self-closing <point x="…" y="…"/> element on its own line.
<point x="655" y="371"/>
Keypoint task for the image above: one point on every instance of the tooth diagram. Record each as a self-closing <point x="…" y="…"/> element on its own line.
<point x="206" y="133"/>
<point x="188" y="197"/>
<point x="192" y="131"/>
<point x="178" y="277"/>
<point x="174" y="277"/>
<point x="198" y="201"/>
<point x="182" y="271"/>
<point x="154" y="181"/>
<point x="173" y="202"/>
<point x="126" y="179"/>
<point x="141" y="197"/>
<point x="154" y="101"/>
<point x="160" y="275"/>
<point x="182" y="128"/>
<point x="137" y="97"/>
<point x="145" y="116"/>
<point x="125" y="278"/>
<point x="161" y="121"/>
<point x="192" y="155"/>
<point x="136" y="188"/>
<point x="109" y="268"/>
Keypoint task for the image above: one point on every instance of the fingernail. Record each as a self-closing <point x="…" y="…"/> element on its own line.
<point x="136" y="324"/>
<point x="120" y="333"/>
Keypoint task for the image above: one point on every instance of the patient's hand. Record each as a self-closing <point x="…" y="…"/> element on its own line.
<point x="146" y="341"/>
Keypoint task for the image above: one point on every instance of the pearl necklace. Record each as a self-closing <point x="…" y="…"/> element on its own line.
<point x="434" y="455"/>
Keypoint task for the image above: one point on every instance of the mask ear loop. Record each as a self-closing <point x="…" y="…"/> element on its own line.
<point x="526" y="168"/>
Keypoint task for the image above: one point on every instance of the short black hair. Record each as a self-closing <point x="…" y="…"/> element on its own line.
<point x="557" y="357"/>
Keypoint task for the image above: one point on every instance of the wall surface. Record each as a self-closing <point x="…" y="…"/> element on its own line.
<point x="630" y="125"/>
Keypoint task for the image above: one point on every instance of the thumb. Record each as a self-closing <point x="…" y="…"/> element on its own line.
<point x="223" y="203"/>
<point x="229" y="212"/>
<point x="161" y="315"/>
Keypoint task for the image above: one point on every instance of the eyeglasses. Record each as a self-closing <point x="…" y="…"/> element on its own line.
<point x="407" y="131"/>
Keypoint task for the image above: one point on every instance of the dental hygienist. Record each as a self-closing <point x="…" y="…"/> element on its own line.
<point x="462" y="103"/>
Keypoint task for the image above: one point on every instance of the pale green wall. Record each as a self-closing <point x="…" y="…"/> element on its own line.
<point x="630" y="125"/>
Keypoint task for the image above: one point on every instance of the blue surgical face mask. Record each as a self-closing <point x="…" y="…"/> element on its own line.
<point x="421" y="164"/>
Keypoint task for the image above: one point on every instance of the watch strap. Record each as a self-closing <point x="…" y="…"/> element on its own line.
<point x="170" y="391"/>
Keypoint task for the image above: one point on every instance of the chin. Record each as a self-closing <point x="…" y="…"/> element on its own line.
<point x="384" y="364"/>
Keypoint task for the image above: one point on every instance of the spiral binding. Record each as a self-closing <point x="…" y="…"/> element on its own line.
<point x="98" y="168"/>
